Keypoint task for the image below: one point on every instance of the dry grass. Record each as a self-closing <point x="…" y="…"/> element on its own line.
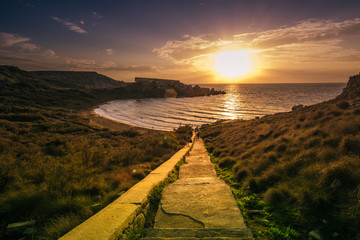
<point x="307" y="159"/>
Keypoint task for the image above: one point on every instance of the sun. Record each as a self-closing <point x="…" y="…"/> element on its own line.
<point x="233" y="63"/>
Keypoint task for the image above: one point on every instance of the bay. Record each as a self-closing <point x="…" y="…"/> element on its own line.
<point x="241" y="101"/>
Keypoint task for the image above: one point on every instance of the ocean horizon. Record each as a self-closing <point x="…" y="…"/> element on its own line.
<point x="241" y="101"/>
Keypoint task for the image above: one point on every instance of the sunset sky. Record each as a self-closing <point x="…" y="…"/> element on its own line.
<point x="280" y="40"/>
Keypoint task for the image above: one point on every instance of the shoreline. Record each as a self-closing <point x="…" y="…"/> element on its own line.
<point x="101" y="121"/>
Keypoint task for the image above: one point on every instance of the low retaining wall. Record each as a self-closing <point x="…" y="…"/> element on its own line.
<point x="110" y="222"/>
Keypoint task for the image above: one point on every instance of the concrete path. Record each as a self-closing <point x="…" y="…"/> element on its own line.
<point x="198" y="205"/>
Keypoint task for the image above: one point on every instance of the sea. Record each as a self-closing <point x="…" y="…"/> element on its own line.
<point x="241" y="101"/>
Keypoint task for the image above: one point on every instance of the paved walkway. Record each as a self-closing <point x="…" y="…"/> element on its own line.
<point x="198" y="205"/>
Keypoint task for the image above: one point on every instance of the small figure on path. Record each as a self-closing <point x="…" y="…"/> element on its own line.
<point x="197" y="133"/>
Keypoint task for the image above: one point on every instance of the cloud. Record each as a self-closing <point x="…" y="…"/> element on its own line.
<point x="29" y="46"/>
<point x="300" y="45"/>
<point x="109" y="51"/>
<point x="97" y="15"/>
<point x="82" y="22"/>
<point x="8" y="40"/>
<point x="49" y="53"/>
<point x="90" y="64"/>
<point x="179" y="51"/>
<point x="304" y="31"/>
<point x="136" y="68"/>
<point x="71" y="26"/>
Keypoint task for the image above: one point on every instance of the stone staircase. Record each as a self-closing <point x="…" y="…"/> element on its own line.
<point x="198" y="205"/>
<point x="205" y="233"/>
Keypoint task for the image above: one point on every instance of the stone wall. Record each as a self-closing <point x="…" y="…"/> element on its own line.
<point x="128" y="210"/>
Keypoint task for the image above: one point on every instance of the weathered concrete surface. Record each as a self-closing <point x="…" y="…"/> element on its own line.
<point x="110" y="222"/>
<point x="206" y="200"/>
<point x="198" y="200"/>
<point x="231" y="233"/>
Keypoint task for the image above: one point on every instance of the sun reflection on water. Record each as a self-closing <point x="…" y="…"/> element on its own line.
<point x="231" y="104"/>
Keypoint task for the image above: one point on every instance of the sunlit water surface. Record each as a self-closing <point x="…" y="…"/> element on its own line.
<point x="241" y="101"/>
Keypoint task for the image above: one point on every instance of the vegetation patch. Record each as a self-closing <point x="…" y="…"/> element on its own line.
<point x="305" y="175"/>
<point x="264" y="220"/>
<point x="146" y="218"/>
<point x="56" y="167"/>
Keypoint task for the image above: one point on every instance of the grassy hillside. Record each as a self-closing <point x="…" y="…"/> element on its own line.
<point x="304" y="164"/>
<point x="58" y="169"/>
<point x="78" y="79"/>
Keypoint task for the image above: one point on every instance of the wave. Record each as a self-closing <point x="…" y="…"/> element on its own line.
<point x="241" y="101"/>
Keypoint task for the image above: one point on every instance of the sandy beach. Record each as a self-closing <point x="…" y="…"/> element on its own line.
<point x="98" y="120"/>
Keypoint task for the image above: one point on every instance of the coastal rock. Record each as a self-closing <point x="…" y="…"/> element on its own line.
<point x="352" y="89"/>
<point x="159" y="87"/>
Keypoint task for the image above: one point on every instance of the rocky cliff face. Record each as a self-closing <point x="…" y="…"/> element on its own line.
<point x="163" y="87"/>
<point x="352" y="89"/>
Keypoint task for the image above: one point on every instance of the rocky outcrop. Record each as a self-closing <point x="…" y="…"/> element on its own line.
<point x="78" y="79"/>
<point x="352" y="89"/>
<point x="76" y="89"/>
<point x="162" y="88"/>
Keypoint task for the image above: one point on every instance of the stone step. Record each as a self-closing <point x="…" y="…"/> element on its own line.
<point x="203" y="233"/>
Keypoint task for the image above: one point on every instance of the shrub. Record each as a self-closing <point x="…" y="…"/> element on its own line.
<point x="292" y="168"/>
<point x="312" y="203"/>
<point x="59" y="226"/>
<point x="318" y="115"/>
<point x="337" y="175"/>
<point x="281" y="148"/>
<point x="327" y="154"/>
<point x="283" y="233"/>
<point x="267" y="180"/>
<point x="350" y="144"/>
<point x="78" y="205"/>
<point x="343" y="105"/>
<point x="331" y="142"/>
<point x="266" y="162"/>
<point x="312" y="142"/>
<point x="241" y="174"/>
<point x="302" y="118"/>
<point x="217" y="152"/>
<point x="138" y="174"/>
<point x="123" y="180"/>
<point x="269" y="148"/>
<point x="335" y="113"/>
<point x="130" y="133"/>
<point x="277" y="196"/>
<point x="227" y="162"/>
<point x="351" y="127"/>
<point x="252" y="184"/>
<point x="356" y="112"/>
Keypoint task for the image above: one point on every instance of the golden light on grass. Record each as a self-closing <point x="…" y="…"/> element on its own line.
<point x="234" y="63"/>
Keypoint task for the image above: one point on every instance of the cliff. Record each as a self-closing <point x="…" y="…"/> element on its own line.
<point x="352" y="89"/>
<point x="79" y="90"/>
<point x="173" y="88"/>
